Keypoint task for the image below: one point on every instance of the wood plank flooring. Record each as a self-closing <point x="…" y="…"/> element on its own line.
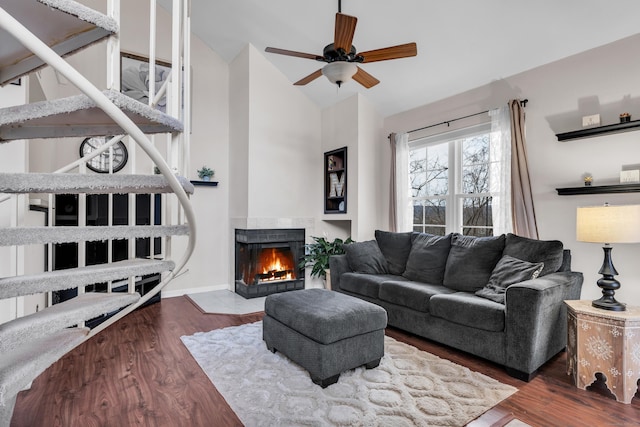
<point x="138" y="373"/>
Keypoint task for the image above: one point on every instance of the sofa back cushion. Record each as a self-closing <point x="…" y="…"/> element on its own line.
<point x="428" y="258"/>
<point x="550" y="252"/>
<point x="471" y="261"/>
<point x="395" y="247"/>
<point x="365" y="257"/>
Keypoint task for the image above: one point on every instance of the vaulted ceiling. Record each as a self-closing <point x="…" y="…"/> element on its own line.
<point x="461" y="44"/>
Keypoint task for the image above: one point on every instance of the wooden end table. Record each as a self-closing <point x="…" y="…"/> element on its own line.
<point x="606" y="342"/>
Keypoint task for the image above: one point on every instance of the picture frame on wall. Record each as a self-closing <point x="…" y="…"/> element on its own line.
<point x="134" y="78"/>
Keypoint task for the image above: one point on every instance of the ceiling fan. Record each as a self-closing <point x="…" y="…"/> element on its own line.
<point x="341" y="56"/>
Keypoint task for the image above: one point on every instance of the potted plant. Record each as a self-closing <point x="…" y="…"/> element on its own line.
<point x="317" y="256"/>
<point x="206" y="173"/>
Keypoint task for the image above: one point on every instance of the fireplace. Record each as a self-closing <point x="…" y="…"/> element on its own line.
<point x="267" y="261"/>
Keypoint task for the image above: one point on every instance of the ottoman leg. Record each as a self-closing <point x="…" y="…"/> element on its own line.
<point x="326" y="382"/>
<point x="372" y="364"/>
<point x="271" y="348"/>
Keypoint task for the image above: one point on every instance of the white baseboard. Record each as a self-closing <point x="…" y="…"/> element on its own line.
<point x="200" y="289"/>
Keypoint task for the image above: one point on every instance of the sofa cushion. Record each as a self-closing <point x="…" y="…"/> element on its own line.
<point x="428" y="258"/>
<point x="467" y="309"/>
<point x="365" y="257"/>
<point x="365" y="284"/>
<point x="414" y="295"/>
<point x="508" y="271"/>
<point x="550" y="252"/>
<point x="395" y="247"/>
<point x="471" y="261"/>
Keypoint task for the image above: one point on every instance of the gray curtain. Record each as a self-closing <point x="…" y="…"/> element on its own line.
<point x="523" y="211"/>
<point x="393" y="198"/>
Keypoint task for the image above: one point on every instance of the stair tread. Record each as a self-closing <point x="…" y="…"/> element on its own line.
<point x="73" y="183"/>
<point x="39" y="235"/>
<point x="74" y="277"/>
<point x="78" y="116"/>
<point x="65" y="26"/>
<point x="59" y="316"/>
<point x="22" y="365"/>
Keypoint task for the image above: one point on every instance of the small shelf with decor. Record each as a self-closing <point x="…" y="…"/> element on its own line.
<point x="600" y="130"/>
<point x="599" y="189"/>
<point x="335" y="181"/>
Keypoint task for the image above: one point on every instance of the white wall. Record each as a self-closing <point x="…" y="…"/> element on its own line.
<point x="603" y="80"/>
<point x="13" y="158"/>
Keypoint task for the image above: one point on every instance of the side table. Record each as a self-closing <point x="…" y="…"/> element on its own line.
<point x="607" y="342"/>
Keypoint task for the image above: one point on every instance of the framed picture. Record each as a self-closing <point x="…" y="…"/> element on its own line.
<point x="134" y="78"/>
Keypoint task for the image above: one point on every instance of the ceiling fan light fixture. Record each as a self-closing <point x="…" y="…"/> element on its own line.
<point x="339" y="72"/>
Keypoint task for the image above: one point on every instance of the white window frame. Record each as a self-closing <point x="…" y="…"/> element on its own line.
<point x="454" y="197"/>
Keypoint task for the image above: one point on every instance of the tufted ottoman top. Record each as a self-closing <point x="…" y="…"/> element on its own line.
<point x="325" y="316"/>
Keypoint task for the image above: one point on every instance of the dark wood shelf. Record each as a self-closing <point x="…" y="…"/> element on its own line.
<point x="600" y="130"/>
<point x="206" y="183"/>
<point x="601" y="189"/>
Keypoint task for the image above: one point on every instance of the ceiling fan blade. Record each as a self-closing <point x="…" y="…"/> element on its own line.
<point x="293" y="53"/>
<point x="393" y="52"/>
<point x="345" y="29"/>
<point x="311" y="77"/>
<point x="365" y="79"/>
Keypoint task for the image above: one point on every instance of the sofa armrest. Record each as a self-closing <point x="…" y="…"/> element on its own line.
<point x="338" y="265"/>
<point x="536" y="319"/>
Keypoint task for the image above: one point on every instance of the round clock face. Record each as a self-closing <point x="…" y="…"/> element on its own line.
<point x="102" y="162"/>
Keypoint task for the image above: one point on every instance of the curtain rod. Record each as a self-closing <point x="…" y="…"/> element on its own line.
<point x="448" y="122"/>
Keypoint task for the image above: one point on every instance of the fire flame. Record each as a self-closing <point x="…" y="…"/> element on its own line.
<point x="276" y="266"/>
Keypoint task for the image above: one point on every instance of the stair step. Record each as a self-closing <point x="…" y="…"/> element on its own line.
<point x="74" y="277"/>
<point x="59" y="316"/>
<point x="78" y="116"/>
<point x="64" y="25"/>
<point x="42" y="235"/>
<point x="73" y="183"/>
<point x="22" y="365"/>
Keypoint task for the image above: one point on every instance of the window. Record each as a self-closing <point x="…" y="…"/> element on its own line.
<point x="454" y="180"/>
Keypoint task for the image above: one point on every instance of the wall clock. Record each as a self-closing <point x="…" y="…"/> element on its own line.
<point x="102" y="162"/>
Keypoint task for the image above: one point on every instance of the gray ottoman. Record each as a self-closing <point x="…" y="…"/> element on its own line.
<point x="325" y="332"/>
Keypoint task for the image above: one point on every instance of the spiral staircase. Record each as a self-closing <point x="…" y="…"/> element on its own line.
<point x="36" y="34"/>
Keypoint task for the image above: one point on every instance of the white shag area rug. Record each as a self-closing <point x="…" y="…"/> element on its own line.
<point x="409" y="388"/>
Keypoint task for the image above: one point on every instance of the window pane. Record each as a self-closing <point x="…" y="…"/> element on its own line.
<point x="475" y="164"/>
<point x="437" y="177"/>
<point x="478" y="232"/>
<point x="418" y="172"/>
<point x="428" y="213"/>
<point x="476" y="211"/>
<point x="475" y="179"/>
<point x="438" y="231"/>
<point x="475" y="150"/>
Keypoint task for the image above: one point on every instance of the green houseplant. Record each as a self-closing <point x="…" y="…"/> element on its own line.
<point x="205" y="173"/>
<point x="317" y="254"/>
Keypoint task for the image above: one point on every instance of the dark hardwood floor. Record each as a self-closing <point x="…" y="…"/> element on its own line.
<point x="138" y="373"/>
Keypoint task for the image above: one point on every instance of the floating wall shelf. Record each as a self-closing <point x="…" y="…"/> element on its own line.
<point x="601" y="189"/>
<point x="600" y="130"/>
<point x="208" y="183"/>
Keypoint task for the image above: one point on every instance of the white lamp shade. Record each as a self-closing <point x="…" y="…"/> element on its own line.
<point x="339" y="72"/>
<point x="608" y="224"/>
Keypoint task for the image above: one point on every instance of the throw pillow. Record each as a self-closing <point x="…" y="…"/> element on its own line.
<point x="395" y="247"/>
<point x="471" y="261"/>
<point x="550" y="252"/>
<point x="365" y="257"/>
<point x="508" y="271"/>
<point x="428" y="258"/>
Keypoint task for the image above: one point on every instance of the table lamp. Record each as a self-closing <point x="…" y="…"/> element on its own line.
<point x="608" y="224"/>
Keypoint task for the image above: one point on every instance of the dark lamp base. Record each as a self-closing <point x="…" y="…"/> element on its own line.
<point x="609" y="304"/>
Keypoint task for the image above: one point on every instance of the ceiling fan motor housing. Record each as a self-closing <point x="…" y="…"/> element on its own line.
<point x="331" y="54"/>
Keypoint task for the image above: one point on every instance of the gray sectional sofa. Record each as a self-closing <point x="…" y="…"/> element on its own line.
<point x="499" y="298"/>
